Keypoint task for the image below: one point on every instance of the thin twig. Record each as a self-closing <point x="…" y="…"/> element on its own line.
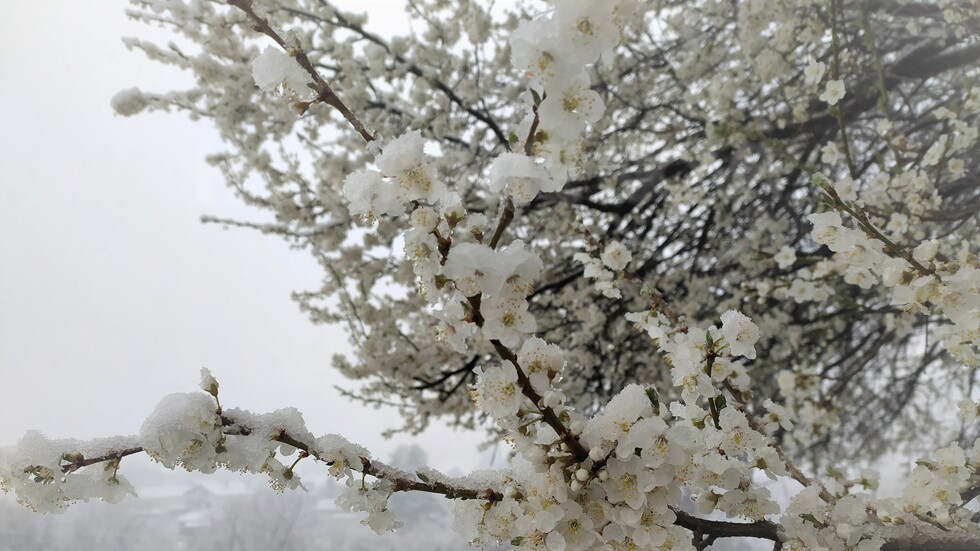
<point x="325" y="93"/>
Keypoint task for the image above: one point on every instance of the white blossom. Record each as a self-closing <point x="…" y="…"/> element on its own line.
<point x="740" y="333"/>
<point x="616" y="256"/>
<point x="814" y="71"/>
<point x="834" y="92"/>
<point x="522" y="176"/>
<point x="785" y="257"/>
<point x="498" y="392"/>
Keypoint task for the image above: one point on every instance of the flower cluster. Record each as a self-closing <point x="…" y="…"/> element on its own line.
<point x="44" y="474"/>
<point x="919" y="280"/>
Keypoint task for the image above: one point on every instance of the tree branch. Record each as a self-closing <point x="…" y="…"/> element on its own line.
<point x="325" y="93"/>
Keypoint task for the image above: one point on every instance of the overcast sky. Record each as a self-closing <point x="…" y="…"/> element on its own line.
<point x="112" y="293"/>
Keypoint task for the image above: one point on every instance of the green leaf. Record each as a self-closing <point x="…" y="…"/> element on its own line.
<point x="713" y="412"/>
<point x="654" y="397"/>
<point x="536" y="96"/>
<point x="721" y="402"/>
<point x="812" y="519"/>
<point x="441" y="281"/>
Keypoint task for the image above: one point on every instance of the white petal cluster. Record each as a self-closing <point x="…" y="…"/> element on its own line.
<point x="273" y="69"/>
<point x="186" y="429"/>
<point x="785" y="257"/>
<point x="616" y="256"/>
<point x="36" y="470"/>
<point x="952" y="289"/>
<point x="613" y="423"/>
<point x="814" y="72"/>
<point x="369" y="194"/>
<point x="934" y="488"/>
<point x="405" y="175"/>
<point x="542" y="362"/>
<point x="834" y="92"/>
<point x="498" y="392"/>
<point x="521" y="176"/>
<point x="503" y="278"/>
<point x="740" y="333"/>
<point x="475" y="269"/>
<point x="604" y="280"/>
<point x="813" y="523"/>
<point x="370" y="498"/>
<point x="554" y="50"/>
